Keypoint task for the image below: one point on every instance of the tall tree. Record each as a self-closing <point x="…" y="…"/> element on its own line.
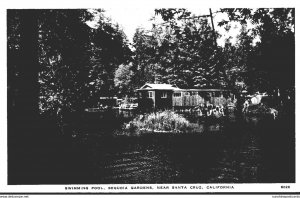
<point x="145" y="57"/>
<point x="275" y="56"/>
<point x="123" y="80"/>
<point x="239" y="60"/>
<point x="22" y="66"/>
<point x="79" y="61"/>
<point x="180" y="49"/>
<point x="76" y="63"/>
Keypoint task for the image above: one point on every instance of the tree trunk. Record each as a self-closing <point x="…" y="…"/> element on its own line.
<point x="26" y="106"/>
<point x="23" y="111"/>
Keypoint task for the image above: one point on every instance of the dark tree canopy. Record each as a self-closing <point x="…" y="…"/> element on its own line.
<point x="181" y="50"/>
<point x="76" y="63"/>
<point x="274" y="60"/>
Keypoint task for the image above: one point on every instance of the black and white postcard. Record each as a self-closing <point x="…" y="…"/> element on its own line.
<point x="141" y="97"/>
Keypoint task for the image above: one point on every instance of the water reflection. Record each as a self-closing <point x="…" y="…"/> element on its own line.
<point x="224" y="151"/>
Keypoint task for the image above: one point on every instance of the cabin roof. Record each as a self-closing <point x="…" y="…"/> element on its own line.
<point x="203" y="90"/>
<point x="149" y="86"/>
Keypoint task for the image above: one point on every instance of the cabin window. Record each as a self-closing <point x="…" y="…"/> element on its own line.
<point x="150" y="94"/>
<point x="187" y="93"/>
<point x="177" y="95"/>
<point x="164" y="95"/>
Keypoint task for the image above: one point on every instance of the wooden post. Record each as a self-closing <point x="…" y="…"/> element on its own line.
<point x="213" y="27"/>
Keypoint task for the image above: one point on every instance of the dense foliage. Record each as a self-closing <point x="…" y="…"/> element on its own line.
<point x="180" y="49"/>
<point x="183" y="50"/>
<point x="73" y="64"/>
<point x="123" y="80"/>
<point x="272" y="60"/>
<point x="77" y="62"/>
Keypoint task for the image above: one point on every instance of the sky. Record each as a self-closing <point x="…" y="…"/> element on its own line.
<point x="130" y="18"/>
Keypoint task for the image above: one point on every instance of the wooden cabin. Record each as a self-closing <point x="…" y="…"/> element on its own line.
<point x="166" y="96"/>
<point x="158" y="96"/>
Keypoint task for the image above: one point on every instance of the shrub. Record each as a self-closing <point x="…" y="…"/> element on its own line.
<point x="262" y="110"/>
<point x="165" y="121"/>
